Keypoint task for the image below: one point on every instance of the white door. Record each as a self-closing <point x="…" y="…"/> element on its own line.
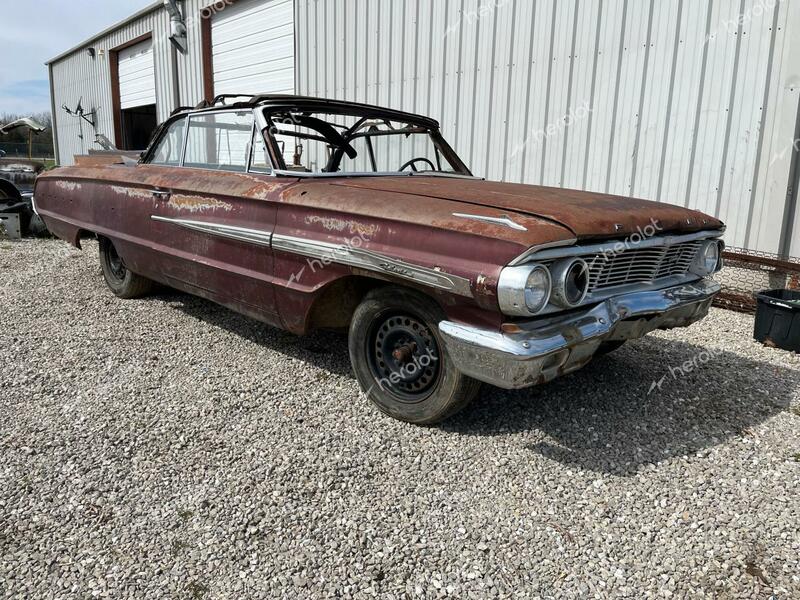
<point x="252" y="45"/>
<point x="137" y="76"/>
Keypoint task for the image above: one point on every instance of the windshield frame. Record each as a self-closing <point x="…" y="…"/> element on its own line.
<point x="269" y="128"/>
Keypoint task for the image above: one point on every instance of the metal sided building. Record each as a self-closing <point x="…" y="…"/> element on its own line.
<point x="692" y="102"/>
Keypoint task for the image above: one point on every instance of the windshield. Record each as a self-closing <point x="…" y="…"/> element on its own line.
<point x="317" y="142"/>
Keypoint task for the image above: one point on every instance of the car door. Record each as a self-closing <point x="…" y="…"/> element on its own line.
<point x="119" y="204"/>
<point x="214" y="215"/>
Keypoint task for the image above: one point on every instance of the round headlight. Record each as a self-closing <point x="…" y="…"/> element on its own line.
<point x="524" y="291"/>
<point x="708" y="259"/>
<point x="570" y="282"/>
<point x="537" y="289"/>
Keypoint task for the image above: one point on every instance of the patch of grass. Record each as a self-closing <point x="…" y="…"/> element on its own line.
<point x="7" y="247"/>
<point x="795" y="410"/>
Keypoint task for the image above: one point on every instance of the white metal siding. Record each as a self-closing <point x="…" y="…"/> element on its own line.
<point x="253" y="47"/>
<point x="691" y="102"/>
<point x="137" y="79"/>
<point x="78" y="76"/>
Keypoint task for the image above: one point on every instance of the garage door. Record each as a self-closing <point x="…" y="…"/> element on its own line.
<point x="252" y="47"/>
<point x="137" y="77"/>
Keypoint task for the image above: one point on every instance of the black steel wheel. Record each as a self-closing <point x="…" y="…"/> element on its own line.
<point x="400" y="360"/>
<point x="405" y="357"/>
<point x="121" y="280"/>
<point x="115" y="265"/>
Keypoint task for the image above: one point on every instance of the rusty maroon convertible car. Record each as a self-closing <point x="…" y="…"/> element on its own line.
<point x="307" y="213"/>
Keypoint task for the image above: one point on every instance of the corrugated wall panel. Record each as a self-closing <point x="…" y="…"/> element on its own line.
<point x="667" y="18"/>
<point x="78" y="76"/>
<point x="768" y="203"/>
<point x="688" y="102"/>
<point x="604" y="105"/>
<point x="582" y="85"/>
<point x="690" y="68"/>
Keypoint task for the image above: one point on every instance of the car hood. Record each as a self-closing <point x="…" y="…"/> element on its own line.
<point x="587" y="214"/>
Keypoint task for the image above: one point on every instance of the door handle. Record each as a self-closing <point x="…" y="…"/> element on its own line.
<point x="161" y="195"/>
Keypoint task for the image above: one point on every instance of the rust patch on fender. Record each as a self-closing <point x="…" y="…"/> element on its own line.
<point x="197" y="203"/>
<point x="131" y="192"/>
<point x="69" y="186"/>
<point x="482" y="286"/>
<point x="342" y="225"/>
<point x="263" y="190"/>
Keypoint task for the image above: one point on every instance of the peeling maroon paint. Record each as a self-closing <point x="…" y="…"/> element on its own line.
<point x="413" y="219"/>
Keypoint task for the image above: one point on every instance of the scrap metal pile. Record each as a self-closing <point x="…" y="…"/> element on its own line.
<point x="17" y="178"/>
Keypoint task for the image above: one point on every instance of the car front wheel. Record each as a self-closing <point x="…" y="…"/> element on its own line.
<point x="124" y="283"/>
<point x="400" y="360"/>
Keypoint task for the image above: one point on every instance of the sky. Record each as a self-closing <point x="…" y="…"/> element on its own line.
<point x="34" y="31"/>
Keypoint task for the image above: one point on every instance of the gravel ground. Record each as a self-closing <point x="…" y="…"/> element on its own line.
<point x="169" y="448"/>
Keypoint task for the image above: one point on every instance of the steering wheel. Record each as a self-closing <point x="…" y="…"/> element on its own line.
<point x="413" y="161"/>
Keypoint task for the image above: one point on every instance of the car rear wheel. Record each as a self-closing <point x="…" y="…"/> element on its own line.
<point x="400" y="360"/>
<point x="123" y="282"/>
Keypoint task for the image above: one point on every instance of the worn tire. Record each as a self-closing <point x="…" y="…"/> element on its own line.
<point x="37" y="227"/>
<point x="123" y="282"/>
<point x="448" y="390"/>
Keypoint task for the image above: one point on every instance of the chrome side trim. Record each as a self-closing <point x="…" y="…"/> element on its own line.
<point x="241" y="234"/>
<point x="612" y="247"/>
<point x="504" y="220"/>
<point x="371" y="261"/>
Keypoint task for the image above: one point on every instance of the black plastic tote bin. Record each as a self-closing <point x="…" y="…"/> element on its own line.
<point x="778" y="319"/>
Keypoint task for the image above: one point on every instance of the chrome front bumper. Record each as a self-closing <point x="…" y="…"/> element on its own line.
<point x="545" y="349"/>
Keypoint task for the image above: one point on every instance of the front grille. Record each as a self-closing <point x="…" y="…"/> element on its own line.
<point x="639" y="265"/>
